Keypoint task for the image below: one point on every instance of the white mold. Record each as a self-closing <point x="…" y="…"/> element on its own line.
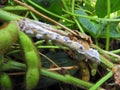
<point x="39" y="36"/>
<point x="29" y="32"/>
<point x="66" y="39"/>
<point x="55" y="36"/>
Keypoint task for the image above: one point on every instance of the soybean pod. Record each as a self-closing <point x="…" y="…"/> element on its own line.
<point x="5" y="82"/>
<point x="8" y="35"/>
<point x="32" y="60"/>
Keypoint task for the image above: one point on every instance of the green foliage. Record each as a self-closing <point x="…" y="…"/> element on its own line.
<point x="101" y="7"/>
<point x="88" y="25"/>
<point x="78" y="15"/>
<point x="53" y="6"/>
<point x="61" y="58"/>
<point x="114" y="32"/>
<point x="97" y="29"/>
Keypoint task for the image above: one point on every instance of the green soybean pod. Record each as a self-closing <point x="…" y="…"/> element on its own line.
<point x="8" y="35"/>
<point x="5" y="82"/>
<point x="32" y="60"/>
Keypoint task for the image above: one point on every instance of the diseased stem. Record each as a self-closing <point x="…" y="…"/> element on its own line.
<point x="46" y="31"/>
<point x="40" y="14"/>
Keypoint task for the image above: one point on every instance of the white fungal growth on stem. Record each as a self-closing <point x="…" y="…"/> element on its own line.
<point x="46" y="31"/>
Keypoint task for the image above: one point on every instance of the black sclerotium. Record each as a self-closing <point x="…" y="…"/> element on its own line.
<point x="81" y="47"/>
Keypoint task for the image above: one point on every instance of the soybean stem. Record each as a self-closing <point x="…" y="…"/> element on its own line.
<point x="78" y="24"/>
<point x="108" y="25"/>
<point x="67" y="79"/>
<point x="101" y="81"/>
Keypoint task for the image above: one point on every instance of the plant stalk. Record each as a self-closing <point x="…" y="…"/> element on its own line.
<point x="101" y="81"/>
<point x="108" y="26"/>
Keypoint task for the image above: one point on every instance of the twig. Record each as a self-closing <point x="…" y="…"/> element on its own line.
<point x="66" y="68"/>
<point x="51" y="69"/>
<point x="49" y="60"/>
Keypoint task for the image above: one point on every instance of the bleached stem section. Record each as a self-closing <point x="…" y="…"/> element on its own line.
<point x="46" y="31"/>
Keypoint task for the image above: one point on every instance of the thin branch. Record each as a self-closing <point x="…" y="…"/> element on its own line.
<point x="49" y="60"/>
<point x="50" y="69"/>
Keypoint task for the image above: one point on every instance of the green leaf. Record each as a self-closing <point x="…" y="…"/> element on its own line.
<point x="53" y="6"/>
<point x="97" y="29"/>
<point x="114" y="33"/>
<point x="101" y="7"/>
<point x="88" y="25"/>
<point x="60" y="58"/>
